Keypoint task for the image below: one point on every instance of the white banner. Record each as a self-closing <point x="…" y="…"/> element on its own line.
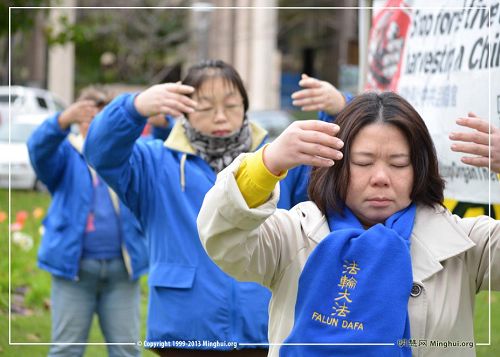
<point x="444" y="58"/>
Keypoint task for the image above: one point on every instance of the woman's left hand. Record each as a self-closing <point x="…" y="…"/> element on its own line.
<point x="318" y="95"/>
<point x="165" y="98"/>
<point x="478" y="142"/>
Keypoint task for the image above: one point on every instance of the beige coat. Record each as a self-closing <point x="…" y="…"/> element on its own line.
<point x="270" y="246"/>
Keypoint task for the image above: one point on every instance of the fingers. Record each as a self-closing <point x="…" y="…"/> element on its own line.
<point x="83" y="111"/>
<point x="307" y="142"/>
<point x="480" y="136"/>
<point x="84" y="103"/>
<point x="168" y="98"/>
<point x="318" y="143"/>
<point x="88" y="115"/>
<point x="477" y="142"/>
<point x="318" y="95"/>
<point x="179" y="88"/>
<point x="79" y="112"/>
<point x="318" y="125"/>
<point x="325" y="140"/>
<point x="481" y="162"/>
<point x="309" y="82"/>
<point x="178" y="92"/>
<point x="307" y="103"/>
<point x="474" y="122"/>
<point x="311" y="97"/>
<point x="177" y="102"/>
<point x="476" y="161"/>
<point x="313" y="160"/>
<point x="306" y="93"/>
<point x="471" y="148"/>
<point x="169" y="110"/>
<point x="471" y="137"/>
<point x="308" y="98"/>
<point x="320" y="151"/>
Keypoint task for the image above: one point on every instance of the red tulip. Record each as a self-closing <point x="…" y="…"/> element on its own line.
<point x="21" y="217"/>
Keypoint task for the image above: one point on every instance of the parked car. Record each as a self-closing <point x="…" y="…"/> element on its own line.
<point x="27" y="100"/>
<point x="274" y="121"/>
<point x="22" y="174"/>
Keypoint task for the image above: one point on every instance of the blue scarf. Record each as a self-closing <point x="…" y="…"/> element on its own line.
<point x="354" y="288"/>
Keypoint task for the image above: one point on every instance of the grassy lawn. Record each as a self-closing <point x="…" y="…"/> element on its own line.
<point x="34" y="327"/>
<point x="33" y="287"/>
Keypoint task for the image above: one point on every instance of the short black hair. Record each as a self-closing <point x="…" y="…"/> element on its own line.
<point x="208" y="69"/>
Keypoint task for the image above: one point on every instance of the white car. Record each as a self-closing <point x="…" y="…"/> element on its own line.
<point x="22" y="175"/>
<point x="27" y="100"/>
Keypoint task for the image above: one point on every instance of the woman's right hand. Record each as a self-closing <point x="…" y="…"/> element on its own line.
<point x="167" y="98"/>
<point x="318" y="95"/>
<point x="305" y="142"/>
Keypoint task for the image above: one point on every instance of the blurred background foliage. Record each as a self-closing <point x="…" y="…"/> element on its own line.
<point x="111" y="45"/>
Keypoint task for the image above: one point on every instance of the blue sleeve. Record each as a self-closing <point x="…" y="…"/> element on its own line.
<point x="111" y="149"/>
<point x="293" y="189"/>
<point x="163" y="133"/>
<point x="48" y="157"/>
<point x="324" y="116"/>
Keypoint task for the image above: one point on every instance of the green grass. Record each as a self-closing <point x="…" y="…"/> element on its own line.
<point x="36" y="328"/>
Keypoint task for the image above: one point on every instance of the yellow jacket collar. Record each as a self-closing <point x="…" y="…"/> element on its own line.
<point x="77" y="142"/>
<point x="177" y="140"/>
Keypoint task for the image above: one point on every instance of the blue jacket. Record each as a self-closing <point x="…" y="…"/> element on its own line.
<point x="62" y="168"/>
<point x="163" y="133"/>
<point x="158" y="133"/>
<point x="164" y="185"/>
<point x="324" y="116"/>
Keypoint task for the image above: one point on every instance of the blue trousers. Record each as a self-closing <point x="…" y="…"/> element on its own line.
<point x="104" y="288"/>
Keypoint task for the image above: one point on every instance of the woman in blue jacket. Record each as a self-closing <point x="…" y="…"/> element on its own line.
<point x="193" y="305"/>
<point x="92" y="245"/>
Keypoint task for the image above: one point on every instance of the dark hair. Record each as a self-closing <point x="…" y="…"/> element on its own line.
<point x="208" y="69"/>
<point x="328" y="185"/>
<point x="99" y="94"/>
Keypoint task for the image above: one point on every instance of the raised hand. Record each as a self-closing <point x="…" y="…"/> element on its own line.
<point x="81" y="112"/>
<point x="167" y="98"/>
<point x="305" y="142"/>
<point x="480" y="142"/>
<point x="318" y="95"/>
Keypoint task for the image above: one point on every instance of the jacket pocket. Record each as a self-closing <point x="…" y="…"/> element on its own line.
<point x="171" y="275"/>
<point x="55" y="223"/>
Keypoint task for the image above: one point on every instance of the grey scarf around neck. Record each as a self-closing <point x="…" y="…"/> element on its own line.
<point x="219" y="152"/>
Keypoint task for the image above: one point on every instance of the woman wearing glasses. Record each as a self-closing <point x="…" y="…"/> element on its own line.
<point x="193" y="305"/>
